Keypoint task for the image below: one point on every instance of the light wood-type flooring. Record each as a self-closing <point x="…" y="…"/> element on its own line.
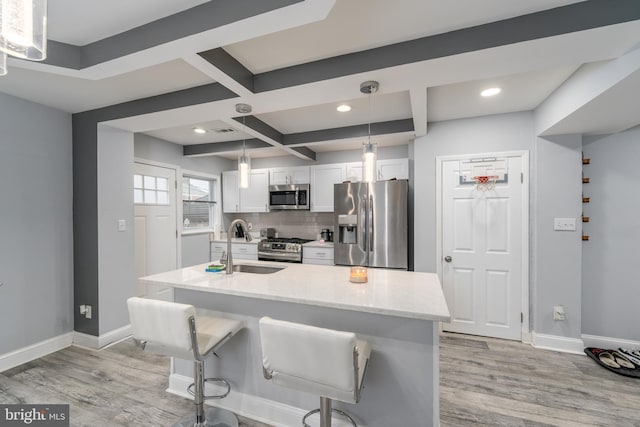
<point x="483" y="381"/>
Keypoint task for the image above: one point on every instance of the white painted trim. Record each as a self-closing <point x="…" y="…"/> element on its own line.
<point x="34" y="351"/>
<point x="247" y="405"/>
<point x="558" y="343"/>
<point x="608" y="342"/>
<point x="98" y="342"/>
<point x="218" y="218"/>
<point x="525" y="332"/>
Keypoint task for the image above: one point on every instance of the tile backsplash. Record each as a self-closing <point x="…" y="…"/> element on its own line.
<point x="302" y="224"/>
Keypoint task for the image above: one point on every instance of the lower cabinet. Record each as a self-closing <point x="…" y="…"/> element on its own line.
<point x="317" y="255"/>
<point x="247" y="251"/>
<point x="163" y="293"/>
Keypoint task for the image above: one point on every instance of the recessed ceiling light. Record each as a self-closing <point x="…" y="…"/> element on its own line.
<point x="199" y="130"/>
<point x="344" y="108"/>
<point x="491" y="91"/>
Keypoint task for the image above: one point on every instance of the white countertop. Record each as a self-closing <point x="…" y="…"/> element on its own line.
<point x="389" y="292"/>
<point x="237" y="240"/>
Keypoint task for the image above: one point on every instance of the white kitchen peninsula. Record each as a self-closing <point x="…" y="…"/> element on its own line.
<point x="396" y="311"/>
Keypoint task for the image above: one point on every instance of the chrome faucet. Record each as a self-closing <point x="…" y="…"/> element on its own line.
<point x="245" y="228"/>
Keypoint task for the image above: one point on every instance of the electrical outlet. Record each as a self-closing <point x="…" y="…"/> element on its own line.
<point x="86" y="311"/>
<point x="564" y="224"/>
<point x="558" y="312"/>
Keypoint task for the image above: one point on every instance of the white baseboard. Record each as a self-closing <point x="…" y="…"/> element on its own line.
<point x="34" y="351"/>
<point x="558" y="343"/>
<point x="254" y="407"/>
<point x="607" y="342"/>
<point x="95" y="343"/>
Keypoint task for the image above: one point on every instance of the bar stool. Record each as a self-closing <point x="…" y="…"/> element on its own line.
<point x="173" y="329"/>
<point x="328" y="363"/>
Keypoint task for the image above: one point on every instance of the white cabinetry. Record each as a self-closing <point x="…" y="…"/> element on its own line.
<point x="354" y="171"/>
<point x="230" y="192"/>
<point x="256" y="197"/>
<point x="244" y="251"/>
<point x="239" y="250"/>
<point x="395" y="168"/>
<point x="317" y="255"/>
<point x="323" y="177"/>
<point x="159" y="292"/>
<point x="385" y="170"/>
<point x="252" y="199"/>
<point x="291" y="175"/>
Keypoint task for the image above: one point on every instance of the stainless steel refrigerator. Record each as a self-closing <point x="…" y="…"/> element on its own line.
<point x="370" y="224"/>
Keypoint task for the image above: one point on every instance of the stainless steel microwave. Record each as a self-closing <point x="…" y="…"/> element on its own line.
<point x="291" y="196"/>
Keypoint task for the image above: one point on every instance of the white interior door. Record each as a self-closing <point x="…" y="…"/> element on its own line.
<point x="154" y="222"/>
<point x="482" y="247"/>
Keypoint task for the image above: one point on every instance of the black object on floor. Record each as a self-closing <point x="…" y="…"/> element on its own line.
<point x="614" y="361"/>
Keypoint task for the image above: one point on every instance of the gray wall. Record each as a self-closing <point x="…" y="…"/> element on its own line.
<point x="610" y="258"/>
<point x="150" y="148"/>
<point x="557" y="259"/>
<point x="505" y="133"/>
<point x="36" y="241"/>
<point x="116" y="270"/>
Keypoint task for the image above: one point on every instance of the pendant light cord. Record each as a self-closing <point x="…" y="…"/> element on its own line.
<point x="369" y="118"/>
<point x="244" y="138"/>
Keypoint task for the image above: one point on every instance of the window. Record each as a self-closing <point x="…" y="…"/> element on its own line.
<point x="198" y="202"/>
<point x="150" y="190"/>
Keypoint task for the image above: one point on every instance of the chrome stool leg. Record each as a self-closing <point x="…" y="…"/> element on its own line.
<point x="325" y="411"/>
<point x="206" y="417"/>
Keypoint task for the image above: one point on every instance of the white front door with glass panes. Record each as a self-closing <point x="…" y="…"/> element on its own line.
<point x="155" y="224"/>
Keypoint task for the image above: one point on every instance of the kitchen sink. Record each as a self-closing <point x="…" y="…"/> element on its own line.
<point x="256" y="269"/>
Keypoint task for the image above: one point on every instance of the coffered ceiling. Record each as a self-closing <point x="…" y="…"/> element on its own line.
<point x="295" y="61"/>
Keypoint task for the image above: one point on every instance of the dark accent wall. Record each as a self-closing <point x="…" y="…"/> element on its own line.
<point x="85" y="221"/>
<point x="85" y="185"/>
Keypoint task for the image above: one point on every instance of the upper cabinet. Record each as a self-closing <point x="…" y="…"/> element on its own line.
<point x="385" y="170"/>
<point x="320" y="177"/>
<point x="290" y="175"/>
<point x="252" y="199"/>
<point x="323" y="177"/>
<point x="256" y="197"/>
<point x="354" y="171"/>
<point x="230" y="192"/>
<point x="395" y="168"/>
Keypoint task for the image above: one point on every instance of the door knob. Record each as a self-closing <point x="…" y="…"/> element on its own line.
<point x="448" y="258"/>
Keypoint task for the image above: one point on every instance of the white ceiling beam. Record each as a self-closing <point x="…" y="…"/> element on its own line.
<point x="573" y="105"/>
<point x="418" y="97"/>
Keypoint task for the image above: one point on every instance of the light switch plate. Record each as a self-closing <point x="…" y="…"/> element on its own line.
<point x="122" y="225"/>
<point x="564" y="224"/>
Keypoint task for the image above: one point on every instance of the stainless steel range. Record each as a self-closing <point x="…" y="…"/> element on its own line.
<point x="281" y="249"/>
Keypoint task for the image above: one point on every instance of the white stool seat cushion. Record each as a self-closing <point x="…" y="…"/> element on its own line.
<point x="212" y="330"/>
<point x="312" y="359"/>
<point x="164" y="327"/>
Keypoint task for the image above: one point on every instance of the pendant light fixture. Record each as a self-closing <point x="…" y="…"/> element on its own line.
<point x="369" y="150"/>
<point x="244" y="161"/>
<point x="23" y="29"/>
